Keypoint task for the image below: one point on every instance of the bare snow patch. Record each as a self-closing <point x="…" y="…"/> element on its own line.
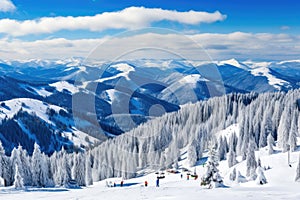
<point x="265" y="71"/>
<point x="64" y="85"/>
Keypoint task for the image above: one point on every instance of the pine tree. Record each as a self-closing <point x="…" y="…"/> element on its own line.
<point x="232" y="176"/>
<point x="2" y="160"/>
<point x="39" y="170"/>
<point x="15" y="161"/>
<point x="212" y="176"/>
<point x="270" y="144"/>
<point x="88" y="170"/>
<point x="79" y="169"/>
<point x="5" y="167"/>
<point x="261" y="179"/>
<point x="293" y="134"/>
<point x="65" y="172"/>
<point x="266" y="129"/>
<point x="222" y="148"/>
<point x="192" y="155"/>
<point x="298" y="172"/>
<point x="18" y="183"/>
<point x="26" y="167"/>
<point x="298" y="125"/>
<point x="231" y="156"/>
<point x="283" y="129"/>
<point x="251" y="160"/>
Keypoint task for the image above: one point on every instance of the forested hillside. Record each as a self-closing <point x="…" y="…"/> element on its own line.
<point x="157" y="144"/>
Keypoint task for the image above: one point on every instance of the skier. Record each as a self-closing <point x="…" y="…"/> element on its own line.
<point x="157" y="182"/>
<point x="122" y="183"/>
<point x="146" y="183"/>
<point x="188" y="177"/>
<point x="181" y="176"/>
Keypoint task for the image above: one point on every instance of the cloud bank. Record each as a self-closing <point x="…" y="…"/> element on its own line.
<point x="239" y="45"/>
<point x="7" y="6"/>
<point x="129" y="18"/>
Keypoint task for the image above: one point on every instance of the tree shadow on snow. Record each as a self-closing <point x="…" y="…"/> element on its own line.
<point x="127" y="184"/>
<point x="46" y="190"/>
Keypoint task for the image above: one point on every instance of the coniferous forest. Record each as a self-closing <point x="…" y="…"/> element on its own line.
<point x="263" y="120"/>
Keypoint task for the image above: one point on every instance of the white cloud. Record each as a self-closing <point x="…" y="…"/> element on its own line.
<point x="239" y="45"/>
<point x="285" y="28"/>
<point x="129" y="18"/>
<point x="7" y="6"/>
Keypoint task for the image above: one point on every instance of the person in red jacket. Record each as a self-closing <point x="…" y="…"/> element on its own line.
<point x="146" y="183"/>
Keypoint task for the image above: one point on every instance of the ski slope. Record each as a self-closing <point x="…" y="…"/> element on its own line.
<point x="280" y="177"/>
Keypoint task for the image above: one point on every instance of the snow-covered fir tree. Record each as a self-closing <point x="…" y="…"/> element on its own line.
<point x="79" y="169"/>
<point x="26" y="167"/>
<point x="88" y="169"/>
<point x="232" y="175"/>
<point x="293" y="134"/>
<point x="261" y="179"/>
<point x="284" y="129"/>
<point x="39" y="168"/>
<point x="266" y="129"/>
<point x="270" y="144"/>
<point x="5" y="167"/>
<point x="297" y="178"/>
<point x="192" y="155"/>
<point x="212" y="177"/>
<point x="222" y="148"/>
<point x="251" y="160"/>
<point x="231" y="158"/>
<point x="240" y="178"/>
<point x="18" y="183"/>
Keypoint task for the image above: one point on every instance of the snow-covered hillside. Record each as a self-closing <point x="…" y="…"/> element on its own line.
<point x="237" y="129"/>
<point x="51" y="117"/>
<point x="280" y="177"/>
<point x="134" y="88"/>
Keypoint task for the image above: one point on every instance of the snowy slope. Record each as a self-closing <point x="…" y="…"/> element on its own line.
<point x="29" y="105"/>
<point x="64" y="85"/>
<point x="280" y="185"/>
<point x="10" y="108"/>
<point x="263" y="71"/>
<point x="233" y="62"/>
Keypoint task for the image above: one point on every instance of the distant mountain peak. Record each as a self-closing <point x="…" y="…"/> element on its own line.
<point x="233" y="62"/>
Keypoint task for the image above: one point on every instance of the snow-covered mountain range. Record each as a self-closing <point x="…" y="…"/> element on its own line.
<point x="108" y="99"/>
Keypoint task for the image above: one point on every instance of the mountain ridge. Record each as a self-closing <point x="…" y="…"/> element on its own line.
<point x="136" y="90"/>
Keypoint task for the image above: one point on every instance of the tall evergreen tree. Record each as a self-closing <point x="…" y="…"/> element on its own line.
<point x="270" y="144"/>
<point x="266" y="129"/>
<point x="192" y="155"/>
<point x="298" y="172"/>
<point x="251" y="160"/>
<point x="283" y="129"/>
<point x="222" y="148"/>
<point x="39" y="174"/>
<point x="212" y="176"/>
<point x="18" y="183"/>
<point x="261" y="179"/>
<point x="79" y="169"/>
<point x="231" y="157"/>
<point x="293" y="134"/>
<point x="5" y="167"/>
<point x="88" y="169"/>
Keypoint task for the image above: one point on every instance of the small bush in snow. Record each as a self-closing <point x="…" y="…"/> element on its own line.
<point x="261" y="179"/>
<point x="232" y="176"/>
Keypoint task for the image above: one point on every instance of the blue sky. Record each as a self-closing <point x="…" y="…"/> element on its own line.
<point x="278" y="19"/>
<point x="246" y="15"/>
